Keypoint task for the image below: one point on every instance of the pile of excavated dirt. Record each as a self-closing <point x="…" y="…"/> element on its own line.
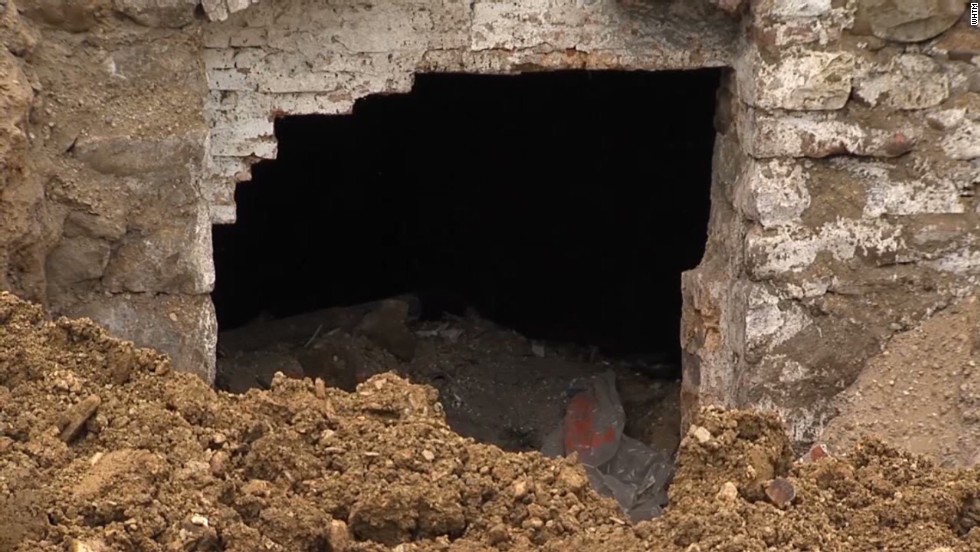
<point x="102" y="447"/>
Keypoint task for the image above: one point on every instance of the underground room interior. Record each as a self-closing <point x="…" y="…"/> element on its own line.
<point x="540" y="221"/>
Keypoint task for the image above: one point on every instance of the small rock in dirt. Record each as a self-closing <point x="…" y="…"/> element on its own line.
<point x="728" y="491"/>
<point x="969" y="515"/>
<point x="572" y="479"/>
<point x="87" y="546"/>
<point x="75" y="418"/>
<point x="520" y="489"/>
<point x="199" y="520"/>
<point x="338" y="536"/>
<point x="815" y="453"/>
<point x="219" y="463"/>
<point x="385" y="326"/>
<point x="428" y="455"/>
<point x="537" y="349"/>
<point x="701" y="434"/>
<point x="781" y="492"/>
<point x="498" y="534"/>
<point x="197" y="534"/>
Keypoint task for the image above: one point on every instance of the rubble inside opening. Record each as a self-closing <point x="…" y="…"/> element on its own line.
<point x="533" y="244"/>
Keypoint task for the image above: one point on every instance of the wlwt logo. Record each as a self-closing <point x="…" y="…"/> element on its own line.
<point x="975" y="14"/>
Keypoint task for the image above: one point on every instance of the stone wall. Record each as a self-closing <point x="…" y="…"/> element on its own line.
<point x="110" y="220"/>
<point x="843" y="200"/>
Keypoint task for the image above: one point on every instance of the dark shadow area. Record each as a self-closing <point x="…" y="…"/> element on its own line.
<point x="563" y="205"/>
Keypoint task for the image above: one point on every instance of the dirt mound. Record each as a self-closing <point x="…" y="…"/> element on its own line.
<point x="102" y="447"/>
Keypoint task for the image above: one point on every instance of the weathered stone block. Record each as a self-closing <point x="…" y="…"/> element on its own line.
<point x="230" y="79"/>
<point x="781" y="250"/>
<point x="792" y="8"/>
<point x="909" y="81"/>
<point x="216" y="10"/>
<point x="818" y="135"/>
<point x="174" y="258"/>
<point x="182" y="326"/>
<point x="960" y="42"/>
<point x="803" y="80"/>
<point x="907" y="20"/>
<point x="78" y="223"/>
<point x="76" y="260"/>
<point x="158" y="13"/>
<point x="248" y="37"/>
<point x="773" y="192"/>
<point x="124" y="156"/>
<point x="918" y="189"/>
<point x="771" y="320"/>
<point x="75" y="16"/>
<point x="964" y="142"/>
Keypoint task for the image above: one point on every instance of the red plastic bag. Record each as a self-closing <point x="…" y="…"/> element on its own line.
<point x="618" y="466"/>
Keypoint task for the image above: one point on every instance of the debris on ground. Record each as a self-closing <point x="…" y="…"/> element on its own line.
<point x="164" y="462"/>
<point x="619" y="466"/>
<point x="496" y="385"/>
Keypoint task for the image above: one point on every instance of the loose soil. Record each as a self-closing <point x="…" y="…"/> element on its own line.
<point x="922" y="393"/>
<point x="103" y="447"/>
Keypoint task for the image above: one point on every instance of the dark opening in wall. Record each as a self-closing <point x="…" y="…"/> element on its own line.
<point x="563" y="205"/>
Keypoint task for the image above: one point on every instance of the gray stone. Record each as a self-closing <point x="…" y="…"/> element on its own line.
<point x="182" y="326"/>
<point x="71" y="15"/>
<point x="819" y="135"/>
<point x="910" y="81"/>
<point x="76" y="260"/>
<point x="94" y="226"/>
<point x="216" y="10"/>
<point x="964" y="142"/>
<point x="800" y="80"/>
<point x="173" y="259"/>
<point x="124" y="156"/>
<point x="907" y="20"/>
<point x="158" y="13"/>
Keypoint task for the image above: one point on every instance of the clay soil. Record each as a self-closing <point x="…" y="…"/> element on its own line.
<point x="103" y="447"/>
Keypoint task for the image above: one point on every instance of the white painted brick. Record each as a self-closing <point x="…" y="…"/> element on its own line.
<point x="244" y="129"/>
<point x="224" y="213"/>
<point x="228" y="167"/>
<point x="248" y="57"/>
<point x="218" y="58"/>
<point x="229" y="79"/>
<point x="248" y="37"/>
<point x="217" y="35"/>
<point x="233" y="145"/>
<point x="302" y="104"/>
<point x="303" y="82"/>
